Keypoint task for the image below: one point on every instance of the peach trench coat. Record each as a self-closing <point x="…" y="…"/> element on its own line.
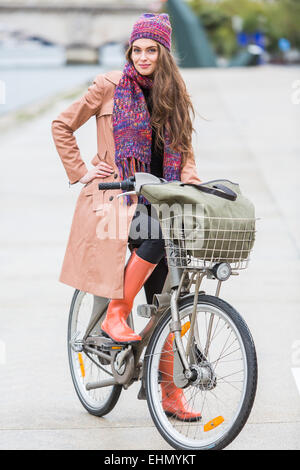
<point x="95" y="263"/>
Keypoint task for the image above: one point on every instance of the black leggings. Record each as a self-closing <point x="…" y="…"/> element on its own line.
<point x="145" y="233"/>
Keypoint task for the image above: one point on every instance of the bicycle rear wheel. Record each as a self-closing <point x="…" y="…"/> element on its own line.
<point x="223" y="354"/>
<point x="87" y="368"/>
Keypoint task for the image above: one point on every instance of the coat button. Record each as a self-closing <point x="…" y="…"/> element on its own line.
<point x="115" y="175"/>
<point x="111" y="198"/>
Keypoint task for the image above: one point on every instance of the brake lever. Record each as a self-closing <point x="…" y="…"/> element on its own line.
<point x="125" y="194"/>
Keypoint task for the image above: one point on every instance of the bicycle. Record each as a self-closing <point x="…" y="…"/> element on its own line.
<point x="209" y="344"/>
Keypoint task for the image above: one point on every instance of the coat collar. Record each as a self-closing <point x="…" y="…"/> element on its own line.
<point x="114" y="76"/>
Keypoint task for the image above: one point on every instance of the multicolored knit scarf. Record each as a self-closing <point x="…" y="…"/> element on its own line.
<point x="133" y="133"/>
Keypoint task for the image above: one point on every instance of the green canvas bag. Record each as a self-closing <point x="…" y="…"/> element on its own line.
<point x="212" y="221"/>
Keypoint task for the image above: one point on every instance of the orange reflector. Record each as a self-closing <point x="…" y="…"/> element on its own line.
<point x="117" y="347"/>
<point x="213" y="423"/>
<point x="81" y="364"/>
<point x="184" y="329"/>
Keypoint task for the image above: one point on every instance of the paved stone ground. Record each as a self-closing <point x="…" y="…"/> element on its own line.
<point x="251" y="136"/>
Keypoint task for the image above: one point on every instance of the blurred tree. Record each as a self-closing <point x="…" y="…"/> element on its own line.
<point x="284" y="21"/>
<point x="217" y="23"/>
<point x="280" y="18"/>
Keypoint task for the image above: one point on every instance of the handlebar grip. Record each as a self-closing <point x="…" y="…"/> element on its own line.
<point x="109" y="186"/>
<point x="126" y="185"/>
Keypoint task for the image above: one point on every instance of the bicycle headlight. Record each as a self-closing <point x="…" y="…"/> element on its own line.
<point x="222" y="271"/>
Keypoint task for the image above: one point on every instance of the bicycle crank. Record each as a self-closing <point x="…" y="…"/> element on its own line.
<point x="122" y="365"/>
<point x="102" y="347"/>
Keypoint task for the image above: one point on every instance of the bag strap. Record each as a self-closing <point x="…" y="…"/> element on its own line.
<point x="217" y="190"/>
<point x="218" y="181"/>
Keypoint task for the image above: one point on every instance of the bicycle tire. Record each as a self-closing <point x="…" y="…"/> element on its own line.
<point x="250" y="388"/>
<point x="112" y="398"/>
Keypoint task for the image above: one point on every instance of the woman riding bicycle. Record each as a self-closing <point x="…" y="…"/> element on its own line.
<point x="143" y="125"/>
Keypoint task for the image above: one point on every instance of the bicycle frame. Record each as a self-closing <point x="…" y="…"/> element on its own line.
<point x="177" y="283"/>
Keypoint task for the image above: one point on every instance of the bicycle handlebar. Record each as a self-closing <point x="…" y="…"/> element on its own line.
<point x="126" y="185"/>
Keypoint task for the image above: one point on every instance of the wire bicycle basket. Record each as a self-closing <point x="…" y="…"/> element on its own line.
<point x="200" y="242"/>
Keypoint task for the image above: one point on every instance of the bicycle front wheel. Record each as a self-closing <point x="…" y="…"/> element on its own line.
<point x="87" y="367"/>
<point x="220" y="396"/>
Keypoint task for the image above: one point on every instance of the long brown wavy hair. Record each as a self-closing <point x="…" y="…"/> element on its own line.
<point x="172" y="104"/>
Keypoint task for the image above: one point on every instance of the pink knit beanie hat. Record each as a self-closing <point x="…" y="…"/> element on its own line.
<point x="151" y="26"/>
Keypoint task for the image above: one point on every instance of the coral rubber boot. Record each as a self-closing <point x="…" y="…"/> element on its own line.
<point x="174" y="402"/>
<point x="115" y="326"/>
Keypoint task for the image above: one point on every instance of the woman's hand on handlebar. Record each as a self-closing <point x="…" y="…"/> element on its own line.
<point x="102" y="170"/>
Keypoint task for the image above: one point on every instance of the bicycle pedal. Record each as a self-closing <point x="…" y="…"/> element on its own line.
<point x="110" y="345"/>
<point x="146" y="310"/>
<point x="104" y="342"/>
